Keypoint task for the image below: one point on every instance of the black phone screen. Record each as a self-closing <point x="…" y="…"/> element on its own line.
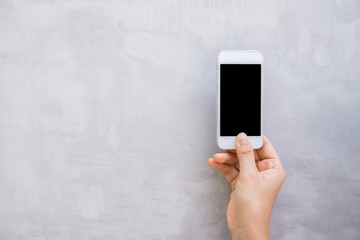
<point x="240" y="99"/>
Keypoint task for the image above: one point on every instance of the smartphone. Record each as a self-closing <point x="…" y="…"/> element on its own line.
<point x="239" y="97"/>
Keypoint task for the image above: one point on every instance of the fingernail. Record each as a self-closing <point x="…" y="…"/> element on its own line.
<point x="242" y="139"/>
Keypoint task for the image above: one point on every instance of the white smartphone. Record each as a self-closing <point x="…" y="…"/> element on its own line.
<point x="239" y="97"/>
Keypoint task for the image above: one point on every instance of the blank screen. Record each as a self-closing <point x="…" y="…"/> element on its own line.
<point x="240" y="99"/>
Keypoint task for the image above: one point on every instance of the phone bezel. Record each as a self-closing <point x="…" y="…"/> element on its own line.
<point x="239" y="57"/>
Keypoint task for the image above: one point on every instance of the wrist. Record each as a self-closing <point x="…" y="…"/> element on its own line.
<point x="254" y="232"/>
<point x="247" y="235"/>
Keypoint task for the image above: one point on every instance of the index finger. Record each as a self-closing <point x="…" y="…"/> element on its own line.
<point x="267" y="151"/>
<point x="257" y="156"/>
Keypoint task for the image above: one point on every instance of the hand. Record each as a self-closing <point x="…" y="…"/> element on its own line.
<point x="256" y="177"/>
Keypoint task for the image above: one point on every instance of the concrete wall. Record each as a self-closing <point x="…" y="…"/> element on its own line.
<point x="107" y="116"/>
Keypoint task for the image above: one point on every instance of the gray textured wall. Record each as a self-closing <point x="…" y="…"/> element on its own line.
<point x="107" y="116"/>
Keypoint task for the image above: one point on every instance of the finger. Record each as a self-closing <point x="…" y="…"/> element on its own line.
<point x="226" y="157"/>
<point x="227" y="170"/>
<point x="267" y="150"/>
<point x="257" y="156"/>
<point x="266" y="164"/>
<point x="245" y="154"/>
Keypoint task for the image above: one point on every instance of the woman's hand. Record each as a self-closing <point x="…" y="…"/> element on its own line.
<point x="256" y="177"/>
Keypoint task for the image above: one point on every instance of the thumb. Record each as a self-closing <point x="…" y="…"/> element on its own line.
<point x="245" y="154"/>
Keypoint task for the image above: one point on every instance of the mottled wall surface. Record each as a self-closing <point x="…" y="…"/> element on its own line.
<point x="107" y="116"/>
